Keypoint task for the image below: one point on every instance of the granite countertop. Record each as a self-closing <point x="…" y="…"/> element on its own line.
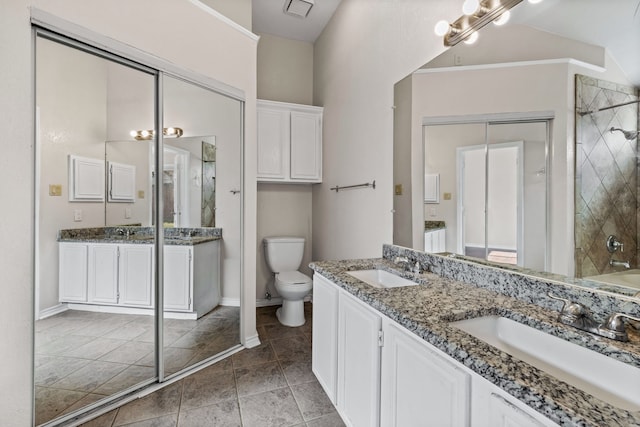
<point x="428" y="309"/>
<point x="433" y="225"/>
<point x="140" y="235"/>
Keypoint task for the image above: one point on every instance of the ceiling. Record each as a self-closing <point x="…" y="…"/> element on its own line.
<point x="613" y="24"/>
<point x="268" y="17"/>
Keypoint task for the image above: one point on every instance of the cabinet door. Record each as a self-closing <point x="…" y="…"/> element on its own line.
<point x="324" y="362"/>
<point x="306" y="146"/>
<point x="442" y="241"/>
<point x="493" y="407"/>
<point x="428" y="241"/>
<point x="419" y="387"/>
<point x="103" y="274"/>
<point x="273" y="144"/>
<point x="72" y="272"/>
<point x="177" y="278"/>
<point x="358" y="390"/>
<point x="136" y="275"/>
<point x="504" y="413"/>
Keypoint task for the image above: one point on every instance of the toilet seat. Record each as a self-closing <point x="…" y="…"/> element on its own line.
<point x="293" y="278"/>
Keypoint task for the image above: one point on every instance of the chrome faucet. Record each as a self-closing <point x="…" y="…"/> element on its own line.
<point x="402" y="261"/>
<point x="614" y="263"/>
<point x="577" y="315"/>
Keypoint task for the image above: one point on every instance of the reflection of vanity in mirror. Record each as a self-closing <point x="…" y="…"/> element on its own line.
<point x="517" y="128"/>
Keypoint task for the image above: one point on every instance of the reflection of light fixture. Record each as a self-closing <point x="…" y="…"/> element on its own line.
<point x="477" y="14"/>
<point x="145" y="135"/>
<point x="298" y="8"/>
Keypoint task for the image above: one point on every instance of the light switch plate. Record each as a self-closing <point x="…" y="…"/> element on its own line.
<point x="140" y="194"/>
<point x="446" y="196"/>
<point x="55" y="190"/>
<point x="398" y="189"/>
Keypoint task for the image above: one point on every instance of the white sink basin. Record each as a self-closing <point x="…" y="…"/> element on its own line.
<point x="381" y="278"/>
<point x="610" y="380"/>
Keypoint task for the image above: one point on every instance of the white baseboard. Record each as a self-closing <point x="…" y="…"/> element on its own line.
<point x="264" y="302"/>
<point x="230" y="302"/>
<point x="52" y="311"/>
<point x="252" y="341"/>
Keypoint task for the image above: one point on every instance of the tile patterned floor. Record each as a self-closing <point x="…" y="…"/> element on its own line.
<point x="81" y="356"/>
<point x="269" y="385"/>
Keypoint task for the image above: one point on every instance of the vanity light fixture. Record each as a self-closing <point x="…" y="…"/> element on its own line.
<point x="476" y="14"/>
<point x="145" y="135"/>
<point x="298" y="8"/>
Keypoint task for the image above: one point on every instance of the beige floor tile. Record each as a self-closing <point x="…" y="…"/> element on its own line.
<point x="312" y="400"/>
<point x="222" y="414"/>
<point x="207" y="387"/>
<point x="256" y="379"/>
<point x="270" y="409"/>
<point x="251" y="356"/>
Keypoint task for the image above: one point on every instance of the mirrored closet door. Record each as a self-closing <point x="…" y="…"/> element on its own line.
<point x="106" y="179"/>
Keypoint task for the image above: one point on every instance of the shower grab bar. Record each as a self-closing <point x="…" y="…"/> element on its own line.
<point x="365" y="185"/>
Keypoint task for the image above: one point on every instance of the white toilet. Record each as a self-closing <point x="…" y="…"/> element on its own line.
<point x="284" y="255"/>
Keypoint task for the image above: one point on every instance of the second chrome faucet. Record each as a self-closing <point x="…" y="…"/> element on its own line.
<point x="577" y="315"/>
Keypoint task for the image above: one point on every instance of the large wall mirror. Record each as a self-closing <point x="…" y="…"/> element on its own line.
<point x="105" y="181"/>
<point x="514" y="159"/>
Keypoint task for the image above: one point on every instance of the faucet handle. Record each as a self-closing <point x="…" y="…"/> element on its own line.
<point x="614" y="326"/>
<point x="570" y="308"/>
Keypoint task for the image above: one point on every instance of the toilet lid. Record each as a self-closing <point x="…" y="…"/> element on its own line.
<point x="293" y="277"/>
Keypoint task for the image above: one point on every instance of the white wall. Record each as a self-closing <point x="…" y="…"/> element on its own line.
<point x="285" y="73"/>
<point x="72" y="101"/>
<point x="232" y="62"/>
<point x="367" y="47"/>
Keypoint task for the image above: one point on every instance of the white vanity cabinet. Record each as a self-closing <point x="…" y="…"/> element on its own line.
<point x="435" y="240"/>
<point x="385" y="375"/>
<point x="358" y="386"/>
<point x="419" y="386"/>
<point x="191" y="277"/>
<point x="135" y="275"/>
<point x="120" y="277"/>
<point x="324" y="357"/>
<point x="103" y="274"/>
<point x="72" y="272"/>
<point x="493" y="407"/>
<point x="289" y="142"/>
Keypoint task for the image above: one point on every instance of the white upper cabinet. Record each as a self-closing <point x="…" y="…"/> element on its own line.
<point x="86" y="179"/>
<point x="122" y="182"/>
<point x="289" y="142"/>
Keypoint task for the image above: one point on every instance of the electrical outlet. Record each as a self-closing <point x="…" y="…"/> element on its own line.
<point x="77" y="215"/>
<point x="432" y="212"/>
<point x="457" y="60"/>
<point x="127" y="213"/>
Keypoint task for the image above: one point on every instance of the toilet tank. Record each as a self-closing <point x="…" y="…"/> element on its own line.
<point x="283" y="253"/>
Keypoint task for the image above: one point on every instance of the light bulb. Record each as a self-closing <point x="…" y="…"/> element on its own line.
<point x="470" y="6"/>
<point x="133" y="133"/>
<point x="502" y="19"/>
<point x="145" y="133"/>
<point x="441" y="28"/>
<point x="170" y="131"/>
<point x="472" y="38"/>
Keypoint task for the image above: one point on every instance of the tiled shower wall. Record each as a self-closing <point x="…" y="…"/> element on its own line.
<point x="606" y="176"/>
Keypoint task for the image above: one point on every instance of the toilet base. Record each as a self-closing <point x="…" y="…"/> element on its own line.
<point x="291" y="313"/>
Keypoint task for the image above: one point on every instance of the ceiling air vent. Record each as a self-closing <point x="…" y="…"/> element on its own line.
<point x="298" y="8"/>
